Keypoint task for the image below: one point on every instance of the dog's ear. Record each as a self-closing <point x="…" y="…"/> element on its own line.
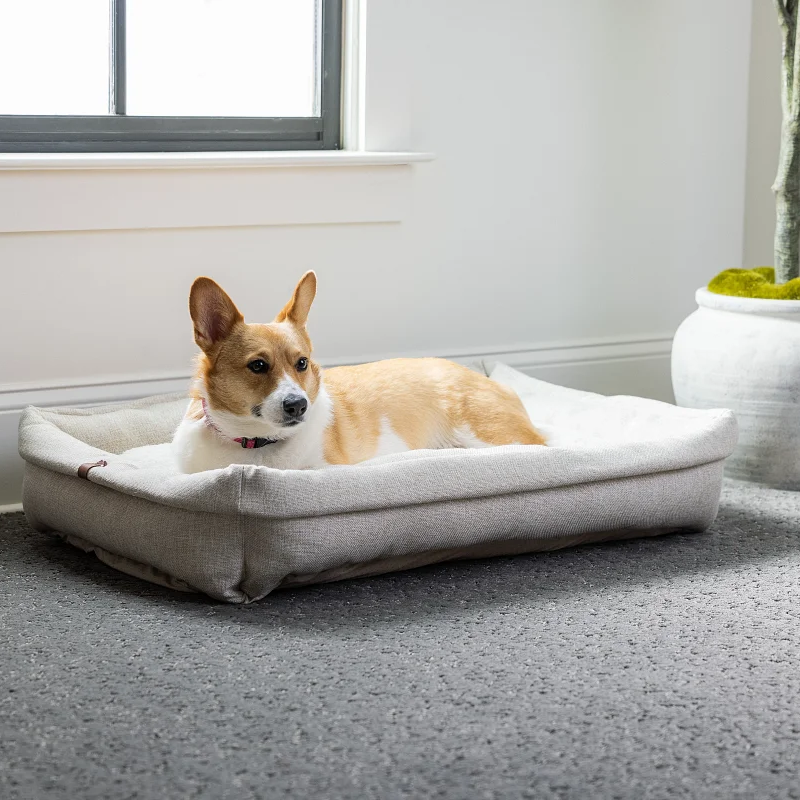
<point x="296" y="310"/>
<point x="213" y="313"/>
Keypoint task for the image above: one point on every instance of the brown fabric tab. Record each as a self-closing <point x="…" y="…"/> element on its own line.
<point x="83" y="469"/>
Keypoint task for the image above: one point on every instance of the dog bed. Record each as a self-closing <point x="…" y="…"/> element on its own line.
<point x="618" y="467"/>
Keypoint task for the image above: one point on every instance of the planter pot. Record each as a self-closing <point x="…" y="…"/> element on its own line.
<point x="744" y="354"/>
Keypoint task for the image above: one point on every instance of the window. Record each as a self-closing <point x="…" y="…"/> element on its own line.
<point x="167" y="75"/>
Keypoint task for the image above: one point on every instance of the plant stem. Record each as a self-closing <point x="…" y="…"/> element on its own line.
<point x="787" y="206"/>
<point x="787" y="182"/>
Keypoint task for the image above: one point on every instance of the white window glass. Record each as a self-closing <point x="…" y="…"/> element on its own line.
<point x="222" y="58"/>
<point x="54" y="56"/>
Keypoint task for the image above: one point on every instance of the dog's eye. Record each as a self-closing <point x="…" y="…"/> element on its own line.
<point x="258" y="365"/>
<point x="302" y="365"/>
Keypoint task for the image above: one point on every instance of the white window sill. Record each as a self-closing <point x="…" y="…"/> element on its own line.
<point x="227" y="160"/>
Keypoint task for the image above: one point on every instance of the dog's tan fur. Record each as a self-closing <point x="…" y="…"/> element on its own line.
<point x="426" y="402"/>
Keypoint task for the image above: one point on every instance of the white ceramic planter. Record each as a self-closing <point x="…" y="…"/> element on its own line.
<point x="744" y="354"/>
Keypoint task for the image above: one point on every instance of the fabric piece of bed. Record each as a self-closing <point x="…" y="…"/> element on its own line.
<point x="617" y="467"/>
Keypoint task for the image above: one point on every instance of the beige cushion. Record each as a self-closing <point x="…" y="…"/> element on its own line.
<point x="618" y="467"/>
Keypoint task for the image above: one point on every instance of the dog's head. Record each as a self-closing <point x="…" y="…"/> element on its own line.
<point x="258" y="380"/>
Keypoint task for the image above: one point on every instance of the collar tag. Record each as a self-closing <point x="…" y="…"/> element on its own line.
<point x="258" y="441"/>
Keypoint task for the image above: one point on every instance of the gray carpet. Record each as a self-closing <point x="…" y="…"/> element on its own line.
<point x="645" y="669"/>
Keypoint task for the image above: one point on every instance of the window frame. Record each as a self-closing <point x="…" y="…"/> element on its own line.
<point x="119" y="133"/>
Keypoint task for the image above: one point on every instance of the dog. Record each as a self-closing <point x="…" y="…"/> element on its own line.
<point x="259" y="397"/>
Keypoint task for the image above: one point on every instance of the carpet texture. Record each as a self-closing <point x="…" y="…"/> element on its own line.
<point x="645" y="669"/>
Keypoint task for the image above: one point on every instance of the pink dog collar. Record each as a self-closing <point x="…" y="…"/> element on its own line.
<point x="244" y="441"/>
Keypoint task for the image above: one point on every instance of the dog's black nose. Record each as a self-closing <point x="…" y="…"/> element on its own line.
<point x="295" y="406"/>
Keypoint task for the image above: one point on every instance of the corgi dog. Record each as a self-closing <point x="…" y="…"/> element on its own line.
<point x="260" y="398"/>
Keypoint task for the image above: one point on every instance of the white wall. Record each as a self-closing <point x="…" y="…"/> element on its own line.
<point x="589" y="176"/>
<point x="764" y="131"/>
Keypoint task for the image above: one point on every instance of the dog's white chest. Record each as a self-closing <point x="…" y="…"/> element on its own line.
<point x="197" y="447"/>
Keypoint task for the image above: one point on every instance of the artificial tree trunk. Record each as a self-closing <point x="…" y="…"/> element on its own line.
<point x="787" y="183"/>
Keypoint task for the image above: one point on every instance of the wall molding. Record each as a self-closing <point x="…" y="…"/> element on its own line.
<point x="120" y="387"/>
<point x="108" y="389"/>
<point x="43" y="201"/>
<point x="621" y="365"/>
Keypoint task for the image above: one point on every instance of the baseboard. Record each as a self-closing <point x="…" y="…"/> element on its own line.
<point x="103" y="389"/>
<point x="635" y="365"/>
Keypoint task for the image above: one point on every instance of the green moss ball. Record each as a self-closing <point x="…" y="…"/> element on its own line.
<point x="758" y="283"/>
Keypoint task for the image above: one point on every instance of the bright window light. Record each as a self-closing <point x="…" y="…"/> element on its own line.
<point x="54" y="56"/>
<point x="226" y="58"/>
<point x="170" y="75"/>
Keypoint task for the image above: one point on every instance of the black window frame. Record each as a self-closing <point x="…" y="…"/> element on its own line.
<point x="119" y="133"/>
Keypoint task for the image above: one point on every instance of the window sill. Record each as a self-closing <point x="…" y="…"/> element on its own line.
<point x="199" y="160"/>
